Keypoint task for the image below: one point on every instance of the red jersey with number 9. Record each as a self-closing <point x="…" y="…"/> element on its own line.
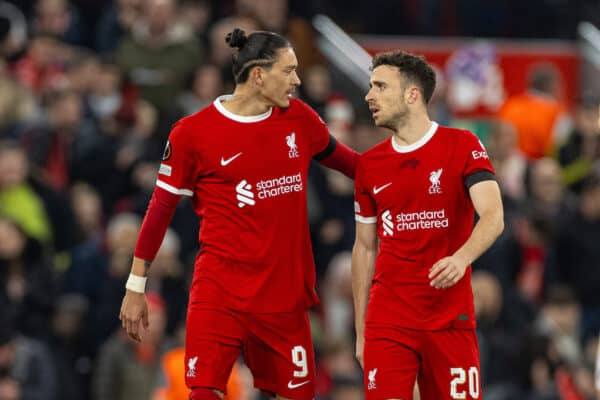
<point x="247" y="178"/>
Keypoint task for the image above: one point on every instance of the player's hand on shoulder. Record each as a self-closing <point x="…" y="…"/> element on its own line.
<point x="134" y="310"/>
<point x="447" y="272"/>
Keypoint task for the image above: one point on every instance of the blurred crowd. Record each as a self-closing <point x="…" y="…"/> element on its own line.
<point x="88" y="92"/>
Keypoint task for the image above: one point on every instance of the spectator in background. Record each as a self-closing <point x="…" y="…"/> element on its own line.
<point x="337" y="298"/>
<point x="161" y="54"/>
<point x="18" y="198"/>
<point x="206" y="86"/>
<point x="61" y="146"/>
<point x="17" y="104"/>
<point x="69" y="345"/>
<point x="59" y="19"/>
<point x="167" y="277"/>
<point x="27" y="287"/>
<point x="316" y="87"/>
<point x="13" y="29"/>
<point x="508" y="161"/>
<point x="40" y="69"/>
<point x="26" y="368"/>
<point x="579" y="157"/>
<point x="115" y="23"/>
<point x="539" y="136"/>
<point x="220" y="52"/>
<point x="274" y="16"/>
<point x="578" y="254"/>
<point x="129" y="370"/>
<point x="502" y="317"/>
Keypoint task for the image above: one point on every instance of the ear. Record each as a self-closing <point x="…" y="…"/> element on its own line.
<point x="412" y="95"/>
<point x="257" y="75"/>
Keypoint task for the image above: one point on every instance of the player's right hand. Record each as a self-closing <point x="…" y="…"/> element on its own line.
<point x="134" y="310"/>
<point x="360" y="347"/>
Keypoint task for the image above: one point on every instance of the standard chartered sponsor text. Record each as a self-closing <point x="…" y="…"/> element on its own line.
<point x="277" y="186"/>
<point x="427" y="219"/>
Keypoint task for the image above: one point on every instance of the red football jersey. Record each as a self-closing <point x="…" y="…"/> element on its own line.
<point x="418" y="197"/>
<point x="247" y="177"/>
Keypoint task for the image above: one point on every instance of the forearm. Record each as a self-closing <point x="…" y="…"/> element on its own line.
<point x="156" y="221"/>
<point x="363" y="267"/>
<point x="341" y="158"/>
<point x="485" y="232"/>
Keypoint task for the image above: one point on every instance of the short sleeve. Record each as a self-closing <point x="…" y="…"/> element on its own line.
<point x="477" y="159"/>
<point x="178" y="169"/>
<point x="365" y="209"/>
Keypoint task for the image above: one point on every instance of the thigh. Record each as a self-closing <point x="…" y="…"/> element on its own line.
<point x="279" y="352"/>
<point x="450" y="367"/>
<point x="391" y="363"/>
<point x="213" y="342"/>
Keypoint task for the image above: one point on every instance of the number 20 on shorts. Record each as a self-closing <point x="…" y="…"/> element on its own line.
<point x="458" y="390"/>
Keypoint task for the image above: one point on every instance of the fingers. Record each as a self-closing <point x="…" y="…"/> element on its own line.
<point x="133" y="325"/>
<point x="133" y="312"/>
<point x="145" y="319"/>
<point x="444" y="274"/>
<point x="438" y="267"/>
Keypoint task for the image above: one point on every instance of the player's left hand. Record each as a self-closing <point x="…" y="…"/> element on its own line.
<point x="446" y="272"/>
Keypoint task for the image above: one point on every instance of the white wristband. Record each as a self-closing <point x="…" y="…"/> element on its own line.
<point x="136" y="283"/>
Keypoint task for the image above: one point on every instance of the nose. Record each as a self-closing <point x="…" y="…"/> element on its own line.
<point x="296" y="79"/>
<point x="369" y="96"/>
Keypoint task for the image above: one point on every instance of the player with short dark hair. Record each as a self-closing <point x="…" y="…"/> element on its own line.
<point x="244" y="161"/>
<point x="417" y="194"/>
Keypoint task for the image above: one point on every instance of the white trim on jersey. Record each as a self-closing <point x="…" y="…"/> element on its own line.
<point x="173" y="189"/>
<point x="419" y="143"/>
<point x="239" y="118"/>
<point x="365" y="220"/>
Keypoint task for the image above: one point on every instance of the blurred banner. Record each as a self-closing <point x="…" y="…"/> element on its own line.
<point x="478" y="75"/>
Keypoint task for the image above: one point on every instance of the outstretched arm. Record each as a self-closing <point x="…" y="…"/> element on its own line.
<point x="486" y="199"/>
<point x="340" y="157"/>
<point x="363" y="267"/>
<point x="158" y="217"/>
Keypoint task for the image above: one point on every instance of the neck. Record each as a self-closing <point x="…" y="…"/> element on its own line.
<point x="412" y="129"/>
<point x="246" y="102"/>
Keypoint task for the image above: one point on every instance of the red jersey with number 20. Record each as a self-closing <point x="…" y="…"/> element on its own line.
<point x="247" y="178"/>
<point x="418" y="197"/>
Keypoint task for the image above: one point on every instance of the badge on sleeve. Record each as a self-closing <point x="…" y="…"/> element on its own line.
<point x="167" y="153"/>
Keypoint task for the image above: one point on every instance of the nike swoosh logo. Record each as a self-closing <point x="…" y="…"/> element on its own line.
<point x="225" y="162"/>
<point x="292" y="385"/>
<point x="380" y="188"/>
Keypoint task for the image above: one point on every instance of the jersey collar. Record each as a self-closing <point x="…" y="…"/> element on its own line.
<point x="239" y="118"/>
<point x="419" y="143"/>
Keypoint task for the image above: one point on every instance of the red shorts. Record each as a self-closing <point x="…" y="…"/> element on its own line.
<point x="276" y="347"/>
<point x="445" y="362"/>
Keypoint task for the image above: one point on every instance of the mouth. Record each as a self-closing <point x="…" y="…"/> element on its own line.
<point x="290" y="93"/>
<point x="374" y="111"/>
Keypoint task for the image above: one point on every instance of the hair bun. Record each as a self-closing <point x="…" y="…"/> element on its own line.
<point x="237" y="38"/>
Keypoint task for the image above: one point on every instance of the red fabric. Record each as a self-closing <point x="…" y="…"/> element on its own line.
<point x="343" y="159"/>
<point x="158" y="217"/>
<point x="57" y="165"/>
<point x="201" y="393"/>
<point x="416" y="195"/>
<point x="247" y="180"/>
